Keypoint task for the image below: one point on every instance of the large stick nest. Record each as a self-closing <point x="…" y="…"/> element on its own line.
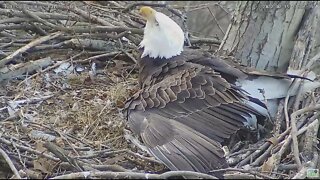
<point x="66" y="69"/>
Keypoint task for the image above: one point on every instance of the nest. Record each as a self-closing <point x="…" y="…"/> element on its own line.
<point x="67" y="69"/>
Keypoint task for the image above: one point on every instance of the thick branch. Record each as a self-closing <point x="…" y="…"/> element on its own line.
<point x="133" y="175"/>
<point x="28" y="46"/>
<point x="8" y="160"/>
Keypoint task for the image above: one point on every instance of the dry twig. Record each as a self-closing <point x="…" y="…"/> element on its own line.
<point x="28" y="46"/>
<point x="10" y="163"/>
<point x="245" y="171"/>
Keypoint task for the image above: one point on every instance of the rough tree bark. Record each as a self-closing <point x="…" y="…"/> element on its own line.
<point x="264" y="34"/>
<point x="278" y="36"/>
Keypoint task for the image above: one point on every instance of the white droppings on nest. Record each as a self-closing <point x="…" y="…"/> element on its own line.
<point x="86" y="174"/>
<point x="226" y="150"/>
<point x="64" y="69"/>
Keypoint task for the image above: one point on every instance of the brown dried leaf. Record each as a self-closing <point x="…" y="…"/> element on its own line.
<point x="49" y="101"/>
<point x="44" y="165"/>
<point x="273" y="140"/>
<point x="120" y="103"/>
<point x="115" y="160"/>
<point x="40" y="147"/>
<point x="88" y="96"/>
<point x="268" y="165"/>
<point x="119" y="66"/>
<point x="33" y="174"/>
<point x="67" y="99"/>
<point x="60" y="142"/>
<point x="88" y="80"/>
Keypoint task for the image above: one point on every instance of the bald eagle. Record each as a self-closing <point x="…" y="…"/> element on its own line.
<point x="190" y="102"/>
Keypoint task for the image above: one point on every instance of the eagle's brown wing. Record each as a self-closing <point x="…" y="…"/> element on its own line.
<point x="184" y="111"/>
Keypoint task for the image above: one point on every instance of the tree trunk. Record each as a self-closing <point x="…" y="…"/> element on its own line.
<point x="262" y="34"/>
<point x="278" y="36"/>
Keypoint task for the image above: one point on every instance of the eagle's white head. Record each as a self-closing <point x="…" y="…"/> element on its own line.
<point x="163" y="38"/>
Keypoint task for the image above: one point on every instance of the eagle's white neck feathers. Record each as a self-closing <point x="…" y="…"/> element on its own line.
<point x="163" y="38"/>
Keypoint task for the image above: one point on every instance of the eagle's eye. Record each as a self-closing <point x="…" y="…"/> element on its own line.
<point x="156" y="22"/>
